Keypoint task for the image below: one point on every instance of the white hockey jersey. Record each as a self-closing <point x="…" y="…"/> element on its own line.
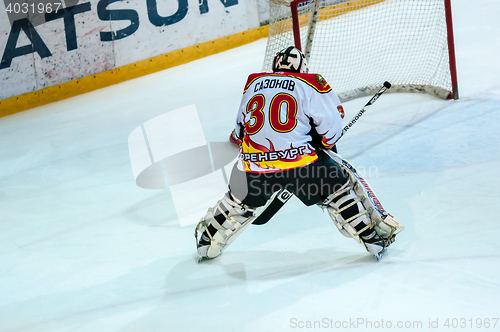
<point x="273" y="120"/>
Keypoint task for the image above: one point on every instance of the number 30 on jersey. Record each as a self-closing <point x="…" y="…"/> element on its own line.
<point x="281" y="122"/>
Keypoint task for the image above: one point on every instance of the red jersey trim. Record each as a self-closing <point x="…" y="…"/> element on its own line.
<point x="316" y="81"/>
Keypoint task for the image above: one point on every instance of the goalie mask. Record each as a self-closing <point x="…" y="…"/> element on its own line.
<point x="290" y="60"/>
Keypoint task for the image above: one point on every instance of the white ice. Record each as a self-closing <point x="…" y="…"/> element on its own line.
<point x="83" y="248"/>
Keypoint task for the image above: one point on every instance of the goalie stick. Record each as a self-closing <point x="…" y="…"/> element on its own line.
<point x="284" y="195"/>
<point x="386" y="86"/>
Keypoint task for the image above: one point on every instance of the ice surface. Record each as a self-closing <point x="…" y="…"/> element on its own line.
<point x="83" y="248"/>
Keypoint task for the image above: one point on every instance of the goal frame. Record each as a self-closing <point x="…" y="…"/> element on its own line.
<point x="449" y="25"/>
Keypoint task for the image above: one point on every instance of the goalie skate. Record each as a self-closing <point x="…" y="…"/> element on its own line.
<point x="388" y="228"/>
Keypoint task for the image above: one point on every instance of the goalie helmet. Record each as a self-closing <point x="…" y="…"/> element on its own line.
<point x="290" y="60"/>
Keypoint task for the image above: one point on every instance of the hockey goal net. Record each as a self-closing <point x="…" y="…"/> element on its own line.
<point x="358" y="44"/>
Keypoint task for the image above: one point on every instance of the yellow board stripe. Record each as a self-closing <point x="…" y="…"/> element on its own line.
<point x="152" y="65"/>
<point x="345" y="7"/>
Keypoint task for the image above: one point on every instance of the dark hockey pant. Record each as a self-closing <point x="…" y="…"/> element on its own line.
<point x="311" y="183"/>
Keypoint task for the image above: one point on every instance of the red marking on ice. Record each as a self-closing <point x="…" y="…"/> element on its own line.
<point x="95" y="30"/>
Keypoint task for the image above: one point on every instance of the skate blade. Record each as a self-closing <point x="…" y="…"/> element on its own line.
<point x="202" y="259"/>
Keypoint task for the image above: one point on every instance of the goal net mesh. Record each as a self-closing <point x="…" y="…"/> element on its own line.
<point x="358" y="44"/>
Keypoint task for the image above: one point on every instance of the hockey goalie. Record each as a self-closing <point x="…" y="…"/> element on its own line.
<point x="286" y="127"/>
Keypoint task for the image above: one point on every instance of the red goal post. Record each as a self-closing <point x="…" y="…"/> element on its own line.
<point x="358" y="44"/>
